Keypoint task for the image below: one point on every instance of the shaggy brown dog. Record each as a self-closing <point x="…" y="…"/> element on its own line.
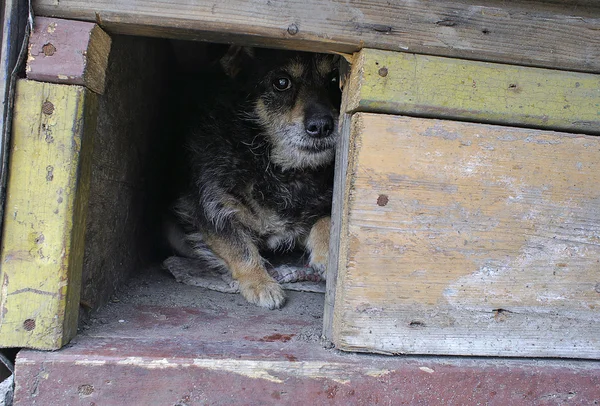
<point x="261" y="164"/>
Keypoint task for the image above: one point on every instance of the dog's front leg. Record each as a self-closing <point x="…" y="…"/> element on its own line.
<point x="247" y="267"/>
<point x="317" y="244"/>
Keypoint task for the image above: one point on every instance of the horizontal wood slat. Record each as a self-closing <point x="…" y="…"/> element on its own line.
<point x="469" y="239"/>
<point x="549" y="34"/>
<point x="430" y="86"/>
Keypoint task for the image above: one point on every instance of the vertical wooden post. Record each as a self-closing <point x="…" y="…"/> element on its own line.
<point x="48" y="183"/>
<point x="42" y="247"/>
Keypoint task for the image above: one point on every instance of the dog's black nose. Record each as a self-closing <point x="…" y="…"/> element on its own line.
<point x="319" y="126"/>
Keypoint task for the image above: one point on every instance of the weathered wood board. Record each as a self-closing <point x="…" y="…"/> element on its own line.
<point x="43" y="230"/>
<point x="68" y="52"/>
<point x="469" y="239"/>
<point x="126" y="167"/>
<point x="538" y="33"/>
<point x="430" y="86"/>
<point x="210" y="348"/>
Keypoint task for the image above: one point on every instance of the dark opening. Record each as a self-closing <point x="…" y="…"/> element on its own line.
<point x="151" y="84"/>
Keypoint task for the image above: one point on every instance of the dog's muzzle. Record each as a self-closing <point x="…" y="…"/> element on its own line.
<point x="319" y="126"/>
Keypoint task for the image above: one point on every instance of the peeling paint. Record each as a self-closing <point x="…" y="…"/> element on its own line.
<point x="89" y="362"/>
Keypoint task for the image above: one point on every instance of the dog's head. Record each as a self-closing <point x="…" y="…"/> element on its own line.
<point x="295" y="99"/>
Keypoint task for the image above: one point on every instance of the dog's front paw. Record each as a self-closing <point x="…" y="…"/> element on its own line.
<point x="264" y="293"/>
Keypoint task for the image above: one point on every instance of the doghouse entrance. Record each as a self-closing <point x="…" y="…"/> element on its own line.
<point x="135" y="148"/>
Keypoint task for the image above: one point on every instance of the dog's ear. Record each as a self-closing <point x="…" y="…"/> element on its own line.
<point x="236" y="59"/>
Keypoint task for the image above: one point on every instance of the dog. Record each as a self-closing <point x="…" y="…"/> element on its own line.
<point x="260" y="161"/>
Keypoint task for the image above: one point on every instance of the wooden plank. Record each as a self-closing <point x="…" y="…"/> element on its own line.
<point x="469" y="239"/>
<point x="429" y="86"/>
<point x="253" y="356"/>
<point x="43" y="234"/>
<point x="338" y="207"/>
<point x="537" y="33"/>
<point x="68" y="52"/>
<point x="338" y="215"/>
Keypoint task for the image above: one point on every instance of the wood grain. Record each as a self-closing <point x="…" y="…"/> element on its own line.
<point x="339" y="212"/>
<point x="210" y="348"/>
<point x="549" y="34"/>
<point x="430" y="86"/>
<point x="469" y="239"/>
<point x="43" y="230"/>
<point x="128" y="157"/>
<point x="339" y="215"/>
<point x="68" y="52"/>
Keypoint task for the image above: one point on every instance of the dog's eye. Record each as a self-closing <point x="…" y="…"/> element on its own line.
<point x="282" y="83"/>
<point x="334" y="77"/>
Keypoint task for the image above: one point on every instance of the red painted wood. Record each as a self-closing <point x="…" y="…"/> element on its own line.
<point x="68" y="52"/>
<point x="57" y="50"/>
<point x="221" y="351"/>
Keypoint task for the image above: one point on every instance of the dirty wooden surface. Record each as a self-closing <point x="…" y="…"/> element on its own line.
<point x="126" y="167"/>
<point x="68" y="52"/>
<point x="469" y="239"/>
<point x="539" y="33"/>
<point x="339" y="208"/>
<point x="339" y="213"/>
<point x="429" y="86"/>
<point x="162" y="343"/>
<point x="43" y="235"/>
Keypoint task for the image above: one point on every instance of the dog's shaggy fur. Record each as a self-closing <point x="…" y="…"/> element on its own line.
<point x="261" y="165"/>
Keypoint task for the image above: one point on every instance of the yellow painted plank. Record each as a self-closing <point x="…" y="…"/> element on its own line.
<point x="429" y="86"/>
<point x="469" y="239"/>
<point x="44" y="224"/>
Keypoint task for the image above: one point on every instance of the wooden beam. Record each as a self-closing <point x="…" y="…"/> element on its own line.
<point x="68" y="52"/>
<point x="469" y="239"/>
<point x="429" y="86"/>
<point x="548" y="34"/>
<point x="43" y="236"/>
<point x="339" y="214"/>
<point x="339" y="209"/>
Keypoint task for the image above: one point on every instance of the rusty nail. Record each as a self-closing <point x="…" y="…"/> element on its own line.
<point x="292" y="29"/>
<point x="29" y="324"/>
<point x="383" y="72"/>
<point x="49" y="49"/>
<point x="382" y="200"/>
<point x="47" y="108"/>
<point x="85" y="390"/>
